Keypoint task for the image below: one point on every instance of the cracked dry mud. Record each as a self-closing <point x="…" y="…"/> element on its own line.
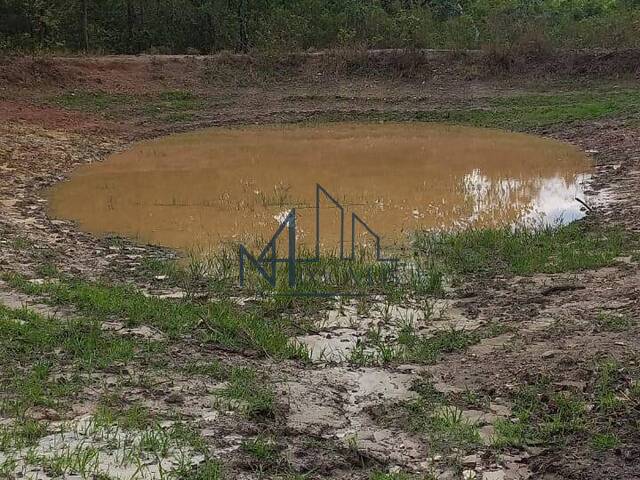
<point x="333" y="419"/>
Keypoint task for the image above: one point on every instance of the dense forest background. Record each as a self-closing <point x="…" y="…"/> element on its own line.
<point x="207" y="26"/>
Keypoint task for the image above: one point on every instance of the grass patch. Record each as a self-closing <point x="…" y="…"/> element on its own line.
<point x="80" y="459"/>
<point x="214" y="369"/>
<point x="410" y="346"/>
<point x="601" y="415"/>
<point x="525" y="112"/>
<point x="21" y="434"/>
<point x="35" y="387"/>
<point x="153" y="437"/>
<point x="609" y="380"/>
<point x="613" y="322"/>
<point x="219" y="322"/>
<point x="172" y="105"/>
<point x="208" y="470"/>
<point x="634" y="390"/>
<point x="429" y="349"/>
<point x="114" y="301"/>
<point x="438" y="257"/>
<point x="137" y="448"/>
<point x="175" y="105"/>
<point x="21" y="243"/>
<point x="604" y="441"/>
<point x="329" y="276"/>
<point x="227" y="326"/>
<point x="27" y="338"/>
<point x="520" y="112"/>
<point x="316" y="283"/>
<point x="473" y="399"/>
<point x="523" y="252"/>
<point x="542" y="417"/>
<point x="261" y="448"/>
<point x="27" y="335"/>
<point x="249" y="393"/>
<point x="397" y="476"/>
<point x="131" y="417"/>
<point x="93" y="101"/>
<point x="443" y="424"/>
<point x="447" y="426"/>
<point x="178" y="117"/>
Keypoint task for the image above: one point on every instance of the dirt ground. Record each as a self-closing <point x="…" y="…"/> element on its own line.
<point x="336" y="419"/>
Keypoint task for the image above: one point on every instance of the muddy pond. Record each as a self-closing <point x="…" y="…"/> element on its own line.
<point x="213" y="186"/>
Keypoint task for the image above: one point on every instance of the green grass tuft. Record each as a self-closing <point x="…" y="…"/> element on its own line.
<point x="261" y="448"/>
<point x="220" y="322"/>
<point x="209" y="470"/>
<point x="92" y="101"/>
<point x="443" y="425"/>
<point x="604" y="441"/>
<point x="428" y="349"/>
<point x="523" y="252"/>
<point x="542" y="416"/>
<point x="20" y="434"/>
<point x="249" y="392"/>
<point x="613" y="322"/>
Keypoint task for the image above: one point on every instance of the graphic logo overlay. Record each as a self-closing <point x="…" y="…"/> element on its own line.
<point x="267" y="261"/>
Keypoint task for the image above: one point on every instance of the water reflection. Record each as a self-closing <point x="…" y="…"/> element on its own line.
<point x="222" y="185"/>
<point x="538" y="202"/>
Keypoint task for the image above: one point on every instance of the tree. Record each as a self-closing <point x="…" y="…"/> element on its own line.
<point x="242" y="24"/>
<point x="85" y="24"/>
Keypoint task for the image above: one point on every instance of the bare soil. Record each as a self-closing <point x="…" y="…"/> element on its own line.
<point x="338" y="420"/>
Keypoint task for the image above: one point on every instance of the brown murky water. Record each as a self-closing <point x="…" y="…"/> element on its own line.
<point x="219" y="185"/>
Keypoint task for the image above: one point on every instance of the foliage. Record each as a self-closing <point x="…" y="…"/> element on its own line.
<point x="205" y="26"/>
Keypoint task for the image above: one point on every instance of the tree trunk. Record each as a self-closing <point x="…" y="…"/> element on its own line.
<point x="130" y="46"/>
<point x="211" y="33"/>
<point x="242" y="19"/>
<point x="85" y="25"/>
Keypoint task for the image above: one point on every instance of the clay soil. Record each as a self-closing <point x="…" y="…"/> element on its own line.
<point x="59" y="113"/>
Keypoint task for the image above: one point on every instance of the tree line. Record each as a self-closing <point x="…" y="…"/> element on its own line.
<point x="208" y="26"/>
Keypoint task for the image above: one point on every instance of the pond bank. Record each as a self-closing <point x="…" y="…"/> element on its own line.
<point x="526" y="374"/>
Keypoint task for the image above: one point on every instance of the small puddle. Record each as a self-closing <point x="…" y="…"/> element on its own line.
<point x="220" y="185"/>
